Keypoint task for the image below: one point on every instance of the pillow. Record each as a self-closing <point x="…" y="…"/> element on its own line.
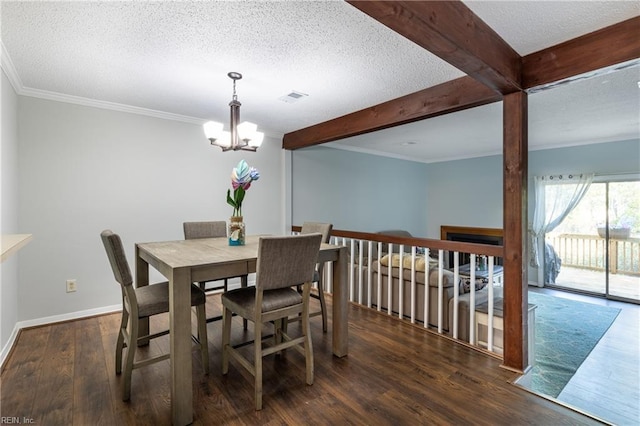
<point x="406" y="262"/>
<point x="465" y="284"/>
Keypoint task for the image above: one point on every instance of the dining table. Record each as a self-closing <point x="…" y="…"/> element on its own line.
<point x="184" y="262"/>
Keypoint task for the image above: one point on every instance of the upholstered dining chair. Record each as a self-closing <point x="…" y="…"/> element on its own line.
<point x="144" y="302"/>
<point x="283" y="263"/>
<point x="324" y="229"/>
<point x="210" y="229"/>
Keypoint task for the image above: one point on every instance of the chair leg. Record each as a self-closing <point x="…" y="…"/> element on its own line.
<point x="131" y="353"/>
<point x="258" y="364"/>
<point x="226" y="338"/>
<point x="280" y="328"/>
<point x="277" y="335"/>
<point x="244" y="283"/>
<point x="202" y="336"/>
<point x="203" y="287"/>
<point x="120" y="341"/>
<point x="323" y="305"/>
<point x="306" y="332"/>
<point x="308" y="350"/>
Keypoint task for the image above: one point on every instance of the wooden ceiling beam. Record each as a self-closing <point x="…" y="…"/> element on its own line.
<point x="455" y="95"/>
<point x="605" y="49"/>
<point x="451" y="31"/>
<point x="602" y="49"/>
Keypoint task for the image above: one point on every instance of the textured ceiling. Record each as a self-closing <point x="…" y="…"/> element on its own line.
<point x="529" y="26"/>
<point x="173" y="57"/>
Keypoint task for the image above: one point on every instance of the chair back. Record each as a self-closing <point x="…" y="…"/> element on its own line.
<point x="322" y="228"/>
<point x="213" y="229"/>
<point x="286" y="261"/>
<point x="395" y="233"/>
<point x="117" y="258"/>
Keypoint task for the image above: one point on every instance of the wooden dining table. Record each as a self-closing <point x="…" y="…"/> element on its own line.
<point x="187" y="261"/>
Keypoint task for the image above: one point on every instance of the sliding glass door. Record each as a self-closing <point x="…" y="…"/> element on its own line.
<point x="623" y="239"/>
<point x="598" y="243"/>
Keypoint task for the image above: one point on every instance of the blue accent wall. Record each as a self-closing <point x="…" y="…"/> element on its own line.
<point x="613" y="158"/>
<point x="363" y="192"/>
<point x="464" y="193"/>
<point x="358" y="192"/>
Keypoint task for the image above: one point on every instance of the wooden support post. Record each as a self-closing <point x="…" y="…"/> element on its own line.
<point x="515" y="157"/>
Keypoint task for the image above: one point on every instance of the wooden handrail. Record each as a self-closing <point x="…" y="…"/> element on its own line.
<point x="484" y="249"/>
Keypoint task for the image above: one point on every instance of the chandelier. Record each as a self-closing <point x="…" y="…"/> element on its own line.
<point x="244" y="136"/>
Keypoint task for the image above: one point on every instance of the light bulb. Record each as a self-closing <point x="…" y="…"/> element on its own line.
<point x="212" y="129"/>
<point x="246" y="130"/>
<point x="256" y="140"/>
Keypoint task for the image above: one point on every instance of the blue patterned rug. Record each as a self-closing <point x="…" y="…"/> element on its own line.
<point x="566" y="332"/>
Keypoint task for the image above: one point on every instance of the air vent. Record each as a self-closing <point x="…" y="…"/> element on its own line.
<point x="292" y="97"/>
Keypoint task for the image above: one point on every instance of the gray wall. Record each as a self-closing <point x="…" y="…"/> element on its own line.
<point x="358" y="192"/>
<point x="84" y="169"/>
<point x="9" y="209"/>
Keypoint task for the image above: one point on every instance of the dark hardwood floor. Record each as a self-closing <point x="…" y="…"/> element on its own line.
<point x="395" y="374"/>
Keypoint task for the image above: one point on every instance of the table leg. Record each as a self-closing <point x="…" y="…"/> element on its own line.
<point x="142" y="279"/>
<point x="340" y="321"/>
<point x="180" y="347"/>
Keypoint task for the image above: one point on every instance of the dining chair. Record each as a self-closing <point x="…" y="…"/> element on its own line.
<point x="283" y="263"/>
<point x="210" y="229"/>
<point x="144" y="302"/>
<point x="318" y="277"/>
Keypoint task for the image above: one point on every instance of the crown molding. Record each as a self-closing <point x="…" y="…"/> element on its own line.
<point x="78" y="100"/>
<point x="10" y="70"/>
<point x="360" y="150"/>
<point x="113" y="106"/>
<point x="20" y="89"/>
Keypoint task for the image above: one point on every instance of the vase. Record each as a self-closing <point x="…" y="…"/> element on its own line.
<point x="236" y="231"/>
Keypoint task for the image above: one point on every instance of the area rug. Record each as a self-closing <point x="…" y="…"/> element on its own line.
<point x="566" y="332"/>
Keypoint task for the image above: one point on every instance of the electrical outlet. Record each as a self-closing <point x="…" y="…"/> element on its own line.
<point x="71" y="286"/>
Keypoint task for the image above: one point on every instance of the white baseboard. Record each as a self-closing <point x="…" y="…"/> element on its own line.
<point x="8" y="346"/>
<point x="50" y="320"/>
<point x="77" y="315"/>
<point x="69" y="316"/>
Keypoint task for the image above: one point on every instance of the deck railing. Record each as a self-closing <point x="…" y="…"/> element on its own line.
<point x="397" y="295"/>
<point x="589" y="252"/>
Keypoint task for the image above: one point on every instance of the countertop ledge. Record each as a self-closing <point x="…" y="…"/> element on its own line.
<point x="11" y="243"/>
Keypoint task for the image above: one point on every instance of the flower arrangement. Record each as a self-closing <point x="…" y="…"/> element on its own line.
<point x="622" y="223"/>
<point x="619" y="228"/>
<point x="241" y="177"/>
